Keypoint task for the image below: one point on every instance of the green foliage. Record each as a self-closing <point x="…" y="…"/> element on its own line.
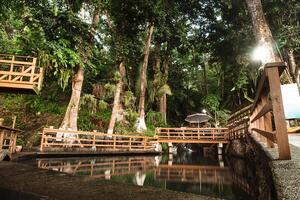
<point x="154" y="118"/>
<point x="211" y="101"/>
<point x="20" y="142"/>
<point x="38" y="104"/>
<point x="102" y="105"/>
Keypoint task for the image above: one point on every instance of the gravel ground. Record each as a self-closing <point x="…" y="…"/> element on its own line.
<point x="287" y="176"/>
<point x="44" y="184"/>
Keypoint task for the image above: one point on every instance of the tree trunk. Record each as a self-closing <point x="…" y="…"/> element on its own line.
<point x="117" y="99"/>
<point x="157" y="73"/>
<point x="163" y="98"/>
<point x="205" y="78"/>
<point x="71" y="115"/>
<point x="141" y="125"/>
<point x="261" y="30"/>
<point x="163" y="107"/>
<point x="292" y="65"/>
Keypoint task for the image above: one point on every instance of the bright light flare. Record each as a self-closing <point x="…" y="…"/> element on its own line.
<point x="261" y="53"/>
<point x="204" y="111"/>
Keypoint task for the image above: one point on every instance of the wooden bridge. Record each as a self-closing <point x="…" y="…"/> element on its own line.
<point x="68" y="141"/>
<point x="192" y="135"/>
<point x="20" y="74"/>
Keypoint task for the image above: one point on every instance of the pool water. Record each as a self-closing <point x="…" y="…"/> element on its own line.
<point x="185" y="172"/>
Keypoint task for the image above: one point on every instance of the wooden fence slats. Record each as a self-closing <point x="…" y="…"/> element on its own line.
<point x="92" y="141"/>
<point x="267" y="104"/>
<point x="20" y="73"/>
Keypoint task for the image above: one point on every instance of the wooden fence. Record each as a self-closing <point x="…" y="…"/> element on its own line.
<point x="266" y="119"/>
<point x="238" y="123"/>
<point x="8" y="138"/>
<point x="20" y="72"/>
<point x="192" y="135"/>
<point x="57" y="140"/>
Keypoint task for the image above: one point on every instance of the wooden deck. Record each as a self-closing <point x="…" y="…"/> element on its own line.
<point x="19" y="74"/>
<point x="57" y="141"/>
<point x="192" y="135"/>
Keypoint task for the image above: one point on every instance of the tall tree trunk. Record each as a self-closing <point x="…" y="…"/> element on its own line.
<point x="71" y="115"/>
<point x="163" y="98"/>
<point x="292" y="65"/>
<point x="205" y="78"/>
<point x="261" y="30"/>
<point x="157" y="71"/>
<point x="117" y="99"/>
<point x="141" y="124"/>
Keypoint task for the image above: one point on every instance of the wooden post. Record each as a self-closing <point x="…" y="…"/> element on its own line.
<point x="42" y="141"/>
<point x="114" y="142"/>
<point x="14" y="142"/>
<point x="144" y="139"/>
<point x="267" y="121"/>
<point x="32" y="70"/>
<point x="11" y="67"/>
<point x="279" y="118"/>
<point x="1" y="138"/>
<point x="130" y="144"/>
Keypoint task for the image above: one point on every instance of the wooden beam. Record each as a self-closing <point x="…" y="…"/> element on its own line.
<point x="265" y="109"/>
<point x="270" y="135"/>
<point x="278" y="111"/>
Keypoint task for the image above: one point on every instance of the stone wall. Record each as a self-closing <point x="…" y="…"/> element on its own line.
<point x="255" y="166"/>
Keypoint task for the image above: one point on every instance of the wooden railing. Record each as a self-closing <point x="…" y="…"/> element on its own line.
<point x="8" y="138"/>
<point x="20" y="72"/>
<point x="58" y="140"/>
<point x="192" y="135"/>
<point x="266" y="119"/>
<point x="238" y="123"/>
<point x="98" y="168"/>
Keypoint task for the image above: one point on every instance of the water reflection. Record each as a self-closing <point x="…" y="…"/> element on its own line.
<point x="188" y="173"/>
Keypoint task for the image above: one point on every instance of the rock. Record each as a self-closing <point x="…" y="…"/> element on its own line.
<point x="4" y="155"/>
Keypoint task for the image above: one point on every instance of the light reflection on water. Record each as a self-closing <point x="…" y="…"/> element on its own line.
<point x="190" y="173"/>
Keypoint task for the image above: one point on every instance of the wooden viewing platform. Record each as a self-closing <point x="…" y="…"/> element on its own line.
<point x="192" y="135"/>
<point x="8" y="138"/>
<point x="57" y="141"/>
<point x="19" y="74"/>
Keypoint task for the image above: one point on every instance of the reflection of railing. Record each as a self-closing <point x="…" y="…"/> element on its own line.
<point x="57" y="140"/>
<point x="20" y="72"/>
<point x="192" y="135"/>
<point x="8" y="138"/>
<point x="98" y="168"/>
<point x="193" y="173"/>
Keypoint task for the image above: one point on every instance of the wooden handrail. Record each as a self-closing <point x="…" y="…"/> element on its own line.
<point x="20" y="72"/>
<point x="267" y="106"/>
<point x="85" y="140"/>
<point x="192" y="135"/>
